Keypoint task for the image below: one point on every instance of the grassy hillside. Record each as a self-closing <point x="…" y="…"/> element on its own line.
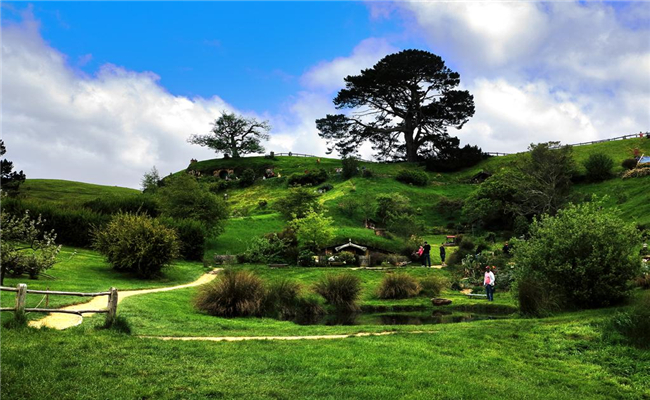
<point x="251" y="219"/>
<point x="68" y="192"/>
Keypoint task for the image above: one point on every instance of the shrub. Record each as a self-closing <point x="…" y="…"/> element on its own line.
<point x="448" y="206"/>
<point x="221" y="186"/>
<point x="342" y="291"/>
<point x="262" y="203"/>
<point x="398" y="286"/>
<point x="347" y="257"/>
<point x="136" y="243"/>
<point x="584" y="256"/>
<point x="629" y="163"/>
<point x="433" y="285"/>
<point x="349" y="206"/>
<point x="191" y="236"/>
<point x="396" y="259"/>
<point x="232" y="294"/>
<point x="281" y="298"/>
<point x="413" y="176"/>
<point x="298" y="202"/>
<point x="312" y="178"/>
<point x="350" y="167"/>
<point x="367" y="173"/>
<point x="247" y="178"/>
<point x="313" y="231"/>
<point x="265" y="250"/>
<point x="306" y="258"/>
<point x="377" y="258"/>
<point x="183" y="198"/>
<point x="393" y="203"/>
<point x="634" y="324"/>
<point x="405" y="224"/>
<point x="599" y="167"/>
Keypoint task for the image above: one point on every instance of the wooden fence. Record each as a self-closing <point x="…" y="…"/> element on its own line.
<point x="21" y="296"/>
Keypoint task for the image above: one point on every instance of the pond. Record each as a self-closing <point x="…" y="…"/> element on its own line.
<point x="397" y="318"/>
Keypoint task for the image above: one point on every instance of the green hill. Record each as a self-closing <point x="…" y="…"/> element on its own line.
<point x="251" y="219"/>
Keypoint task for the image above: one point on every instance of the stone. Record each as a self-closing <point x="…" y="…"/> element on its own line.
<point x="440" y="302"/>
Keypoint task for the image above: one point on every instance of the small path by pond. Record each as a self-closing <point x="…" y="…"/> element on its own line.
<point x="243" y="338"/>
<point x="64" y="321"/>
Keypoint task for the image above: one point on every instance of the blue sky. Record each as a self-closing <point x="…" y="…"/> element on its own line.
<point x="102" y="91"/>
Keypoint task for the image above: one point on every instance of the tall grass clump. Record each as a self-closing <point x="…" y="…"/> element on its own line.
<point x="232" y="294"/>
<point x="634" y="325"/>
<point x="533" y="299"/>
<point x="342" y="291"/>
<point x="398" y="286"/>
<point x="433" y="285"/>
<point x="282" y="298"/>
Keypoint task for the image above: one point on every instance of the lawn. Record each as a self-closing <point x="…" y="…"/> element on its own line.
<point x="565" y="357"/>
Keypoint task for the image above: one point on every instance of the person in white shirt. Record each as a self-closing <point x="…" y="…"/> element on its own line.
<point x="488" y="282"/>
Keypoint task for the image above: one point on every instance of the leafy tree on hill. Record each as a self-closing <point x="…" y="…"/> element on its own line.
<point x="234" y="135"/>
<point x="183" y="198"/>
<point x="403" y="105"/>
<point x="10" y="180"/>
<point x="150" y="181"/>
<point x="538" y="184"/>
<point x="314" y="231"/>
<point x="298" y="202"/>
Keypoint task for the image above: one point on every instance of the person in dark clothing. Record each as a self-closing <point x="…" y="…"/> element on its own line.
<point x="506" y="248"/>
<point x="443" y="253"/>
<point x="426" y="256"/>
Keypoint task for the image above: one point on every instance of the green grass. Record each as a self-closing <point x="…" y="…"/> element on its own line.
<point x="172" y="313"/>
<point x="564" y="357"/>
<point x="68" y="192"/>
<point x="87" y="271"/>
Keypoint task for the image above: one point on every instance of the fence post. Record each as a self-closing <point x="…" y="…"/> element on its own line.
<point x="112" y="307"/>
<point x="21" y="295"/>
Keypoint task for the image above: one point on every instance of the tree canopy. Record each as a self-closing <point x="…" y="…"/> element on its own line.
<point x="234" y="135"/>
<point x="10" y="179"/>
<point x="403" y="105"/>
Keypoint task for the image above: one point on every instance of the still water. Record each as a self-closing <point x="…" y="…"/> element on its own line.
<point x="396" y="318"/>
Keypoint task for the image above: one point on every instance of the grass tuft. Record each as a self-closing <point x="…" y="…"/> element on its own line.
<point x="398" y="286"/>
<point x="342" y="291"/>
<point x="233" y="294"/>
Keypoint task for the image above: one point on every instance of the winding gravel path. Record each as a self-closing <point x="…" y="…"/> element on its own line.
<point x="62" y="321"/>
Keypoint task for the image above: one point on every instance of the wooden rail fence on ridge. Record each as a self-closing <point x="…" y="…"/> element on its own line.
<point x="497" y="154"/>
<point x="21" y="296"/>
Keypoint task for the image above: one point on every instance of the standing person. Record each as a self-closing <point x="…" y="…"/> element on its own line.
<point x="506" y="249"/>
<point x="443" y="253"/>
<point x="419" y="253"/>
<point x="488" y="282"/>
<point x="426" y="257"/>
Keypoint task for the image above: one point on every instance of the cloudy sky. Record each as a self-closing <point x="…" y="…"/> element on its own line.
<point x="100" y="92"/>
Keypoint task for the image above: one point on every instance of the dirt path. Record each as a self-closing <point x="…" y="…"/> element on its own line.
<point x="63" y="321"/>
<point x="243" y="338"/>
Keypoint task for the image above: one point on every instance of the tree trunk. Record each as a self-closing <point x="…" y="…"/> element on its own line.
<point x="411" y="147"/>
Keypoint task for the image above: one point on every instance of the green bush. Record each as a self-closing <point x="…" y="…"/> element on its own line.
<point x="191" y="236"/>
<point x="599" y="167"/>
<point x="634" y="324"/>
<point x="342" y="291"/>
<point x="247" y="178"/>
<point x="136" y="243"/>
<point x="367" y="173"/>
<point x="266" y="250"/>
<point x="398" y="286"/>
<point x="298" y="202"/>
<point x="220" y="186"/>
<point x="629" y="163"/>
<point x="392" y="204"/>
<point x="413" y="176"/>
<point x="584" y="256"/>
<point x="309" y="178"/>
<point x="306" y="258"/>
<point x="347" y="257"/>
<point x="232" y="294"/>
<point x="350" y="167"/>
<point x="183" y="198"/>
<point x="433" y="285"/>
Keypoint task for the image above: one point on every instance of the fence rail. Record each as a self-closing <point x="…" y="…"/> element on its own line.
<point x="21" y="297"/>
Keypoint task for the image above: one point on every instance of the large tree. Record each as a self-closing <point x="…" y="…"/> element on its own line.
<point x="234" y="135"/>
<point x="403" y="105"/>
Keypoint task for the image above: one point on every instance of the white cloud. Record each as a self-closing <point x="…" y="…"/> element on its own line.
<point x="328" y="75"/>
<point x="107" y="129"/>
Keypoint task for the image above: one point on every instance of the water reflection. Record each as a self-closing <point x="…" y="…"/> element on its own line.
<point x="402" y="318"/>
